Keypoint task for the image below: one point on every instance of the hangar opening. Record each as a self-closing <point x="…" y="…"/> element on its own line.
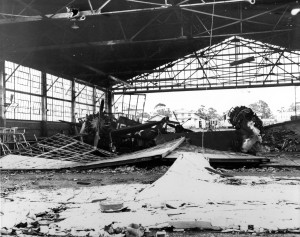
<point x="42" y="99"/>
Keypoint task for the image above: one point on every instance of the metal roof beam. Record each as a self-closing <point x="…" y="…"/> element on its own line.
<point x="119" y="42"/>
<point x="215" y="3"/>
<point x="195" y="88"/>
<point x="245" y="19"/>
<point x="91" y="6"/>
<point x="39" y="16"/>
<point x="149" y="3"/>
<point x="102" y="6"/>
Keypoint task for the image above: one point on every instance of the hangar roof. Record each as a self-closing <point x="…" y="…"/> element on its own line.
<point x="105" y="42"/>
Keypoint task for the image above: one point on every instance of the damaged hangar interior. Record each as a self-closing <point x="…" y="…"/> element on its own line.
<point x="74" y="78"/>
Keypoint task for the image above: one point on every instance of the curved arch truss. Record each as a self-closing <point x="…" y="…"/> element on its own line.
<point x="234" y="63"/>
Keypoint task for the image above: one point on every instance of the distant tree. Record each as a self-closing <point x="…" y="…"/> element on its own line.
<point x="292" y="107"/>
<point x="261" y="108"/>
<point x="164" y="112"/>
<point x="202" y="112"/>
<point x="209" y="113"/>
<point x="161" y="109"/>
<point x="159" y="105"/>
<point x="144" y="115"/>
<point x="281" y="110"/>
<point x="212" y="113"/>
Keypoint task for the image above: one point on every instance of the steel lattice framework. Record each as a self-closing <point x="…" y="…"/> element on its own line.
<point x="234" y="63"/>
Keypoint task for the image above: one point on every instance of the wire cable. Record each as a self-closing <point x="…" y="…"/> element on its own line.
<point x="210" y="42"/>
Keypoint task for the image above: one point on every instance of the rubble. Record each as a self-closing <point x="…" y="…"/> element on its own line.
<point x="122" y="135"/>
<point x="134" y="230"/>
<point x="112" y="205"/>
<point x="281" y="139"/>
<point x="190" y="189"/>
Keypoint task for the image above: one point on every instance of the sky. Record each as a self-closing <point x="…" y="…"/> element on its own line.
<point x="223" y="100"/>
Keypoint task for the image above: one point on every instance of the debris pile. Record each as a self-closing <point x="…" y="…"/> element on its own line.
<point x="37" y="224"/>
<point x="62" y="147"/>
<point x="188" y="197"/>
<point x="120" y="135"/>
<point x="46" y="223"/>
<point x="250" y="229"/>
<point x="132" y="230"/>
<point x="282" y="139"/>
<point x="256" y="170"/>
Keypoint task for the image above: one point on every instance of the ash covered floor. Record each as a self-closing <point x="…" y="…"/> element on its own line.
<point x="266" y="199"/>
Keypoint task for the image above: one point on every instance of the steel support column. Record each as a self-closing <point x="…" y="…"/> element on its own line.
<point x="2" y="94"/>
<point x="44" y="128"/>
<point x="108" y="101"/>
<point x="94" y="100"/>
<point x="73" y="103"/>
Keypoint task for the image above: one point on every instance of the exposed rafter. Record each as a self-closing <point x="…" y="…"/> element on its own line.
<point x="223" y="67"/>
<point x="27" y="18"/>
<point x="125" y="38"/>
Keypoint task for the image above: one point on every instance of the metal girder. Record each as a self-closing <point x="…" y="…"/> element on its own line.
<point x="119" y="81"/>
<point x="38" y="17"/>
<point x="173" y="89"/>
<point x="200" y="31"/>
<point x="222" y="67"/>
<point x="236" y="20"/>
<point x="102" y="6"/>
<point x="145" y="26"/>
<point x="201" y="66"/>
<point x="56" y="79"/>
<point x="78" y="94"/>
<point x="132" y="39"/>
<point x="91" y="6"/>
<point x="125" y="41"/>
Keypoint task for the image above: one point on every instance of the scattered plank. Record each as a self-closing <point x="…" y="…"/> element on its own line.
<point x="40" y="162"/>
<point x="193" y="225"/>
<point x="149" y="154"/>
<point x="223" y="158"/>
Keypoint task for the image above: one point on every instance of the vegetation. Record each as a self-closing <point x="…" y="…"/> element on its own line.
<point x="262" y="109"/>
<point x="209" y="113"/>
<point x="292" y="107"/>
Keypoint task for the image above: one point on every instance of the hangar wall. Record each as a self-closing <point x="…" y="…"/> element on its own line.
<point x="35" y="128"/>
<point x="37" y="101"/>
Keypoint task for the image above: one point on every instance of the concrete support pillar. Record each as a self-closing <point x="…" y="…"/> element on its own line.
<point x="109" y="97"/>
<point x="2" y="94"/>
<point x="44" y="128"/>
<point x="73" y="103"/>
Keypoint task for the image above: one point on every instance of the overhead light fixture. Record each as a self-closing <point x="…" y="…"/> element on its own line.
<point x="75" y="26"/>
<point x="82" y="18"/>
<point x="245" y="60"/>
<point x="295" y="11"/>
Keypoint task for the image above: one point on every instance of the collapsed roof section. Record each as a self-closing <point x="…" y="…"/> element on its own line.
<point x="107" y="42"/>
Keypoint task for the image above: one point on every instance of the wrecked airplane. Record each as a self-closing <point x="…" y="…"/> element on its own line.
<point x="248" y="129"/>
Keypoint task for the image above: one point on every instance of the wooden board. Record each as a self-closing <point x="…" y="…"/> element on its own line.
<point x="17" y="162"/>
<point x="285" y="160"/>
<point x="223" y="158"/>
<point x="149" y="154"/>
